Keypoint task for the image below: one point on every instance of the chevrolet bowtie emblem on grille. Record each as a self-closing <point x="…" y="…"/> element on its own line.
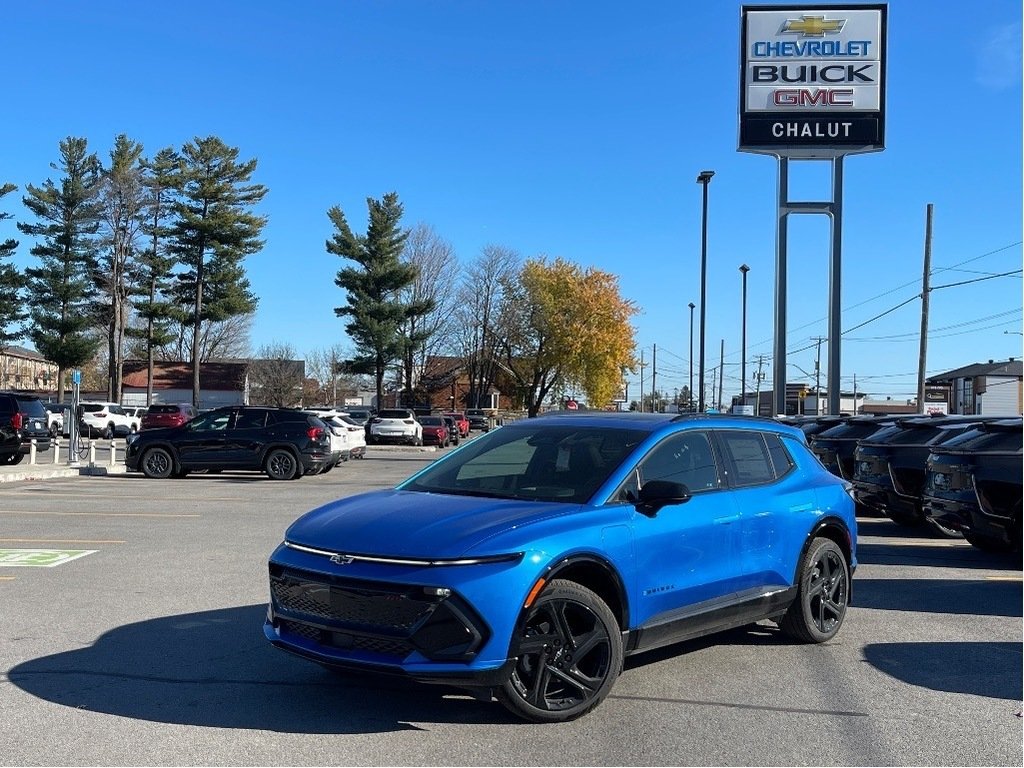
<point x="342" y="559"/>
<point x="813" y="26"/>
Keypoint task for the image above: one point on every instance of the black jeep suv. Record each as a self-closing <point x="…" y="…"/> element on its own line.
<point x="22" y="419"/>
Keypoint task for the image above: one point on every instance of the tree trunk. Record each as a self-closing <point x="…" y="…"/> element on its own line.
<point x="196" y="331"/>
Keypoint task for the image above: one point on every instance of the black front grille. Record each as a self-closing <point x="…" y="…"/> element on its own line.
<point x="376" y="617"/>
<point x="321" y="636"/>
<point x="381" y="607"/>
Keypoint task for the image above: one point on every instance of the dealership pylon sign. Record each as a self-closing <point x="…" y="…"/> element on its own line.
<point x="812" y="87"/>
<point x="812" y="82"/>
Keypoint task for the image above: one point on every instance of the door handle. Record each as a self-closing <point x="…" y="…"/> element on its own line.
<point x="727" y="520"/>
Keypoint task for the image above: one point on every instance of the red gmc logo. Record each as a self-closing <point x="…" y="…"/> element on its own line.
<point x="813" y="97"/>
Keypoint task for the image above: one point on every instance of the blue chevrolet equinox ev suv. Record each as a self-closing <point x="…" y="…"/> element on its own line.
<point x="526" y="564"/>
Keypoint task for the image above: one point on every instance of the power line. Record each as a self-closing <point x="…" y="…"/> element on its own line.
<point x="977" y="279"/>
<point x="894" y="290"/>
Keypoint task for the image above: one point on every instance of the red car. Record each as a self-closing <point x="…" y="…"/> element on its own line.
<point x="461" y="420"/>
<point x="168" y="415"/>
<point x="435" y="431"/>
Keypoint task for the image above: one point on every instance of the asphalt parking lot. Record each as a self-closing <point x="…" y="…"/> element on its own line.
<point x="142" y="645"/>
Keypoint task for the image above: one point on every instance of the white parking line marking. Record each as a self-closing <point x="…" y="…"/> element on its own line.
<point x="64" y="541"/>
<point x="89" y="514"/>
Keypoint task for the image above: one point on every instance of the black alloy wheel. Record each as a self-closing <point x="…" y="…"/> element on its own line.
<point x="281" y="464"/>
<point x="12" y="458"/>
<point x="824" y="592"/>
<point x="157" y="463"/>
<point x="568" y="655"/>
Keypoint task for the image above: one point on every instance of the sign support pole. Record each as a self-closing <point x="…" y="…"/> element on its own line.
<point x="834" y="210"/>
<point x="781" y="277"/>
<point x="835" y="275"/>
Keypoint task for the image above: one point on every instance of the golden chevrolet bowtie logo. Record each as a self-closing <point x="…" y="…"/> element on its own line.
<point x="814" y="26"/>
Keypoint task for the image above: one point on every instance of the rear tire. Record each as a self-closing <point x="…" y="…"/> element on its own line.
<point x="818" y="611"/>
<point x="280" y="464"/>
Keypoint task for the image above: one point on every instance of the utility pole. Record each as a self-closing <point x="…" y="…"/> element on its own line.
<point x="654" y="381"/>
<point x="641" y="381"/>
<point x="721" y="375"/>
<point x="760" y="363"/>
<point x="817" y="377"/>
<point x="925" y="287"/>
<point x="855" y="394"/>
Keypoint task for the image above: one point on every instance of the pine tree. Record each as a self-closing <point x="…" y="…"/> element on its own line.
<point x="12" y="300"/>
<point x="374" y="306"/>
<point x="122" y="200"/>
<point x="153" y="303"/>
<point x="212" y="231"/>
<point x="62" y="288"/>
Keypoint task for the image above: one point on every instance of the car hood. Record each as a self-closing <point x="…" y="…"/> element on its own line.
<point x="415" y="524"/>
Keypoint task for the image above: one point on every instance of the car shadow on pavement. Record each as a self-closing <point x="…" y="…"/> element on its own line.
<point x="981" y="669"/>
<point x="951" y="596"/>
<point x="948" y="553"/>
<point x="215" y="669"/>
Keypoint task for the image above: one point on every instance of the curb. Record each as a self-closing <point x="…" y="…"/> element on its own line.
<point x="50" y="472"/>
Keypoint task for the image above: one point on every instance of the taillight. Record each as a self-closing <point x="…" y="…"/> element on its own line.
<point x="17" y="421"/>
<point x="408" y="421"/>
<point x="314" y="433"/>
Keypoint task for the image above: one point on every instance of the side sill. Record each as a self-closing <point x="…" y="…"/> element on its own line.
<point x="707" y="619"/>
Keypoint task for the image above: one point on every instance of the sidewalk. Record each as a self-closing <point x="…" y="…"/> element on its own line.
<point x="45" y="467"/>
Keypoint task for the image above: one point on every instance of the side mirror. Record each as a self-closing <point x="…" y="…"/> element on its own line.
<point x="656" y="494"/>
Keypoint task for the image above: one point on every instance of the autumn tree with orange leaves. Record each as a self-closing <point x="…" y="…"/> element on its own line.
<point x="566" y="326"/>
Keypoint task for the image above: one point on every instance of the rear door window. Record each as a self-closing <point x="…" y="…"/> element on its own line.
<point x="748" y="458"/>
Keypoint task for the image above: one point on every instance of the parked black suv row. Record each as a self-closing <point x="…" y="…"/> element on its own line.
<point x="282" y="442"/>
<point x="974" y="484"/>
<point x="22" y="419"/>
<point x="889" y="466"/>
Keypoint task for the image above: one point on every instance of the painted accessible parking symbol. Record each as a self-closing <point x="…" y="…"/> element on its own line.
<point x="40" y="558"/>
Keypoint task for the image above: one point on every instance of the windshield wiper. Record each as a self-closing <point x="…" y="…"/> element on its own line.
<point x="476" y="492"/>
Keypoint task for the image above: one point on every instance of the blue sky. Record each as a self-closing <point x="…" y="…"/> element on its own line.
<point x="572" y="129"/>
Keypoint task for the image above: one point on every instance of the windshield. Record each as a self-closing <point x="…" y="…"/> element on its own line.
<point x="533" y="461"/>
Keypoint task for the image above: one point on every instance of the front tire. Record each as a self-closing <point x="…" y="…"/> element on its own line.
<point x="987" y="543"/>
<point x="281" y="464"/>
<point x="157" y="463"/>
<point x="569" y="654"/>
<point x="824" y="592"/>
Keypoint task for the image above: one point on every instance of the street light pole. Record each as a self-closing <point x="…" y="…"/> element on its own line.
<point x="703" y="178"/>
<point x="743" y="339"/>
<point x="689" y="399"/>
